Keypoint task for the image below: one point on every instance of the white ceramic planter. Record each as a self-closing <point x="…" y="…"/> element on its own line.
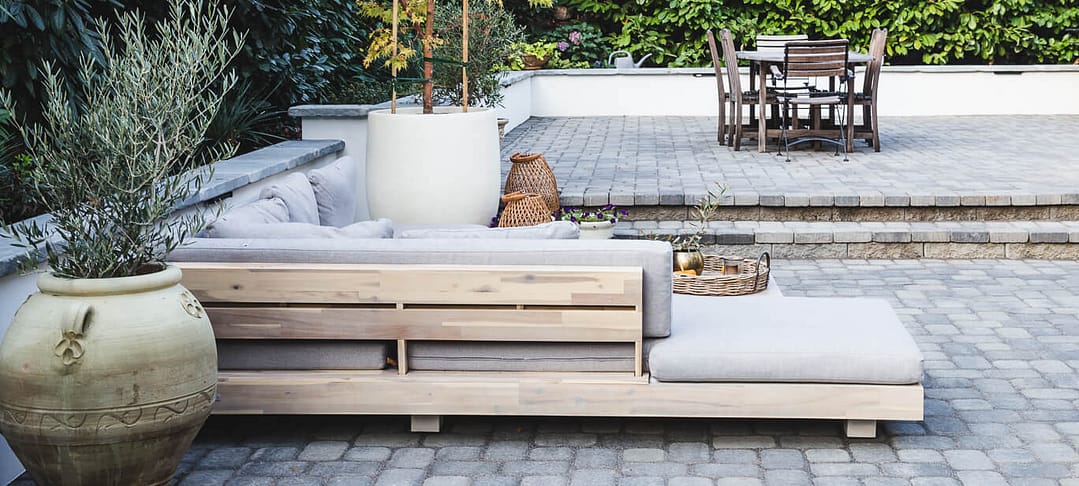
<point x="596" y="230"/>
<point x="440" y="168"/>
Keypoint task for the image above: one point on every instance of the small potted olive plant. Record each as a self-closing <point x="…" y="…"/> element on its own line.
<point x="687" y="246"/>
<point x="108" y="373"/>
<point x="595" y="224"/>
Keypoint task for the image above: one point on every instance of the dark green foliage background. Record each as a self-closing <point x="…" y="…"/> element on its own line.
<point x="920" y="31"/>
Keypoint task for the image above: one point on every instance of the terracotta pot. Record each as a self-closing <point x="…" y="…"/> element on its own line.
<point x="561" y="12"/>
<point x="688" y="260"/>
<point x="596" y="230"/>
<point x="106" y="381"/>
<point x="532" y="62"/>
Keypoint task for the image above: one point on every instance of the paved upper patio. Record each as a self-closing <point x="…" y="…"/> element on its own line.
<point x="924" y="161"/>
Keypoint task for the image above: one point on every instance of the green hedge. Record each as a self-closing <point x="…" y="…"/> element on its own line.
<point x="920" y="31"/>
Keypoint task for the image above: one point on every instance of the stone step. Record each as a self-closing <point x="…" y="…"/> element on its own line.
<point x="948" y="239"/>
<point x="1043" y="212"/>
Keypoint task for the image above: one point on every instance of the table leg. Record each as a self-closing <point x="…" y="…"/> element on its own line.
<point x="762" y="96"/>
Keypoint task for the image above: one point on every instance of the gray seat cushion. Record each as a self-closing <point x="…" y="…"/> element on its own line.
<point x="788" y="339"/>
<point x="241" y="354"/>
<point x="504" y="356"/>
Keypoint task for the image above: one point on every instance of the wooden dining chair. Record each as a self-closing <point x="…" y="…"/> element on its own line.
<point x="815" y="59"/>
<point x="736" y="96"/>
<point x="724" y="97"/>
<point x="867" y="98"/>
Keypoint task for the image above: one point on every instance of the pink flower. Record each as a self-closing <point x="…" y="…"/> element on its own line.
<point x="562" y="46"/>
<point x="575" y="38"/>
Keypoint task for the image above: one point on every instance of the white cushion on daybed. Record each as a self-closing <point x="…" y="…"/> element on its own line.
<point x="555" y="230"/>
<point x="381" y="228"/>
<point x="788" y="339"/>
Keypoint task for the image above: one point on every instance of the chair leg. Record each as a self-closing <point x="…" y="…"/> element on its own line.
<point x="721" y="130"/>
<point x="867" y="120"/>
<point x="736" y="128"/>
<point x="844" y="132"/>
<point x="873" y="124"/>
<point x="783" y="129"/>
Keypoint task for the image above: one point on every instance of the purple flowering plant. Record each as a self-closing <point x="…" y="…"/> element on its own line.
<point x="585" y="215"/>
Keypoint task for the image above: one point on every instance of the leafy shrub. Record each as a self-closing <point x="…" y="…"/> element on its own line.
<point x="105" y="172"/>
<point x="580" y="44"/>
<point x="920" y="31"/>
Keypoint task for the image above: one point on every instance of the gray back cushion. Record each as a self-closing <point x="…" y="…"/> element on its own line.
<point x="653" y="256"/>
<point x="555" y="230"/>
<point x="263" y="211"/>
<point x="381" y="228"/>
<point x="335" y="192"/>
<point x="298" y="196"/>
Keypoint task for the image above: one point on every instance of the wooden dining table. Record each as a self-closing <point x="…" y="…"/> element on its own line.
<point x="766" y="58"/>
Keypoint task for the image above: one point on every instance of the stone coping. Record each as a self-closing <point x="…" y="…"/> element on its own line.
<point x="228" y="176"/>
<point x="513" y="77"/>
<point x="872" y="199"/>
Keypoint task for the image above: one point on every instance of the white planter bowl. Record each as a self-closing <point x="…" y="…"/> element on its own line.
<point x="440" y="168"/>
<point x="596" y="230"/>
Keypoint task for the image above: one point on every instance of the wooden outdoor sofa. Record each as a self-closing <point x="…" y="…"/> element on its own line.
<point x="674" y="356"/>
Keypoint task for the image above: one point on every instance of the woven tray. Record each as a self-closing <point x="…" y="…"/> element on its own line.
<point x="752" y="278"/>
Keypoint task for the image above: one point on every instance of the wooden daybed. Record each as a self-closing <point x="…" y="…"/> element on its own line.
<point x="407" y="303"/>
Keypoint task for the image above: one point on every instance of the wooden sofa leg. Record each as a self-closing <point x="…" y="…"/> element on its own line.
<point x="426" y="423"/>
<point x="855" y="429"/>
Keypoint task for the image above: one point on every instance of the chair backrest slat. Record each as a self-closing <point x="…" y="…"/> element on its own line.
<point x="716" y="64"/>
<point x="734" y="80"/>
<point x="876" y="49"/>
<point x="825" y="58"/>
<point x="777" y="42"/>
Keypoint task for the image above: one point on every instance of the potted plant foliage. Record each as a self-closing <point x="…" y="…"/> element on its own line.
<point x="687" y="246"/>
<point x="595" y="224"/>
<point x="108" y="373"/>
<point x="431" y="164"/>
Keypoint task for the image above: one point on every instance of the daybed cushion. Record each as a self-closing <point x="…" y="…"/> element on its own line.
<point x="381" y="228"/>
<point x="503" y="356"/>
<point x="789" y="339"/>
<point x="263" y="211"/>
<point x="554" y="230"/>
<point x="298" y="196"/>
<point x="335" y="192"/>
<point x="653" y="256"/>
<point x="237" y="354"/>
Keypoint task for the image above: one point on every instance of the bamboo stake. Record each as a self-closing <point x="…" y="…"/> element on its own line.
<point x="464" y="56"/>
<point x="393" y="64"/>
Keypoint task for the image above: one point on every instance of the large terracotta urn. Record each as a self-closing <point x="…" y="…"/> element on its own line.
<point x="106" y="381"/>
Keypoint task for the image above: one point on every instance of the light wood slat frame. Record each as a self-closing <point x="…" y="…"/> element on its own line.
<point x="421" y="302"/>
<point x="403" y="302"/>
<point x="554" y="394"/>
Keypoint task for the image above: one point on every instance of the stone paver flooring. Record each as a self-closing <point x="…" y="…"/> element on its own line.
<point x="1001" y="345"/>
<point x="661" y="160"/>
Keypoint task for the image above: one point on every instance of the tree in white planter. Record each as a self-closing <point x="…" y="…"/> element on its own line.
<point x="429" y="169"/>
<point x="107" y="374"/>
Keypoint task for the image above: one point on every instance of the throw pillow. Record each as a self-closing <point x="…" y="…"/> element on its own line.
<point x="555" y="230"/>
<point x="381" y="228"/>
<point x="263" y="211"/>
<point x="298" y="196"/>
<point x="335" y="192"/>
